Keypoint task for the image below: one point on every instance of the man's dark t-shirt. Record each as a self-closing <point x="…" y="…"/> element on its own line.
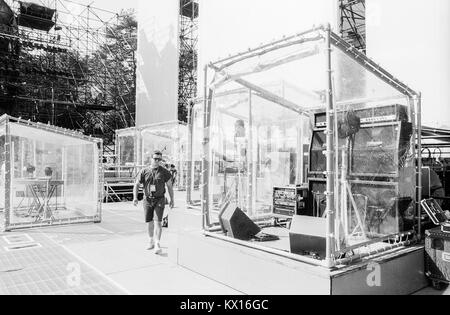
<point x="157" y="177"/>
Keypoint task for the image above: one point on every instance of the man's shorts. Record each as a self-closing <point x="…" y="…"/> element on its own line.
<point x="154" y="209"/>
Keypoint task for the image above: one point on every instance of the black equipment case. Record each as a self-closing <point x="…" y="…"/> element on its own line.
<point x="437" y="246"/>
<point x="437" y="257"/>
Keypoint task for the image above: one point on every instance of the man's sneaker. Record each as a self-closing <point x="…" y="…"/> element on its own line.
<point x="151" y="245"/>
<point x="157" y="249"/>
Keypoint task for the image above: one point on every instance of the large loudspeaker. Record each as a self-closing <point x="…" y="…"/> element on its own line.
<point x="36" y="16"/>
<point x="238" y="225"/>
<point x="307" y="235"/>
<point x="379" y="149"/>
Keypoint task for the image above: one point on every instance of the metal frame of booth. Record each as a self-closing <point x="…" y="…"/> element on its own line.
<point x="331" y="42"/>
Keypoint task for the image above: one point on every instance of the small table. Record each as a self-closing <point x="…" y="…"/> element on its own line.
<point x="42" y="191"/>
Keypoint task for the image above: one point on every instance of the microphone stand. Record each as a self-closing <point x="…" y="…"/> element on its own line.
<point x="346" y="194"/>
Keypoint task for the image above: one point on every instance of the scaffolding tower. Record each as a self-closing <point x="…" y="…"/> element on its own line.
<point x="67" y="64"/>
<point x="187" y="89"/>
<point x="353" y="22"/>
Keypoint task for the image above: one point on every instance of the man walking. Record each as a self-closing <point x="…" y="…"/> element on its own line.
<point x="154" y="179"/>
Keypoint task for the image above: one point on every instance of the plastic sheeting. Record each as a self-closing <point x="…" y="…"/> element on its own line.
<point x="171" y="140"/>
<point x="135" y="147"/>
<point x="263" y="106"/>
<point x="197" y="139"/>
<point x="127" y="147"/>
<point x="49" y="176"/>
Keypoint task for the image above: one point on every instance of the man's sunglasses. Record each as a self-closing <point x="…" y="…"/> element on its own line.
<point x="157" y="159"/>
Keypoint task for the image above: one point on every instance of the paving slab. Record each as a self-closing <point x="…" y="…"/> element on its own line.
<point x="167" y="279"/>
<point x="139" y="271"/>
<point x="48" y="269"/>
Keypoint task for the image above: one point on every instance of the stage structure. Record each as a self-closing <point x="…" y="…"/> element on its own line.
<point x="363" y="188"/>
<point x="49" y="175"/>
<point x="135" y="146"/>
<point x="187" y="90"/>
<point x="352" y="24"/>
<point x="68" y="64"/>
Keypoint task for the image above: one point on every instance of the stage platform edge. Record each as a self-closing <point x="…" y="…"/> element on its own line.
<point x="255" y="272"/>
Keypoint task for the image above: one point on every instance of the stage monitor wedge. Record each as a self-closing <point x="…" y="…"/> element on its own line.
<point x="307" y="235"/>
<point x="238" y="225"/>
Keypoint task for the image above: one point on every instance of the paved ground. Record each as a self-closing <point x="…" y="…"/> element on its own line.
<point x="107" y="258"/>
<point x="49" y="269"/>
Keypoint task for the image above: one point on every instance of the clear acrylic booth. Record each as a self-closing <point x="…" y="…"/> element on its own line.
<point x="310" y="110"/>
<point x="135" y="146"/>
<point x="49" y="175"/>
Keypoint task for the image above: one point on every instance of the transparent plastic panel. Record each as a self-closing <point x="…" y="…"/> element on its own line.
<point x="81" y="181"/>
<point x="171" y="140"/>
<point x="354" y="84"/>
<point x="376" y="181"/>
<point x="228" y="144"/>
<point x="376" y="186"/>
<point x="126" y="147"/>
<point x="197" y="148"/>
<point x="260" y="139"/>
<point x="256" y="145"/>
<point x="54" y="177"/>
<point x="293" y="76"/>
<point x="181" y="181"/>
<point x="277" y="151"/>
<point x="159" y="138"/>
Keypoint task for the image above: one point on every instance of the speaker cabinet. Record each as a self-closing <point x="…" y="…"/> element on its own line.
<point x="36" y="16"/>
<point x="317" y="198"/>
<point x="317" y="160"/>
<point x="238" y="225"/>
<point x="307" y="236"/>
<point x="379" y="149"/>
<point x="380" y="146"/>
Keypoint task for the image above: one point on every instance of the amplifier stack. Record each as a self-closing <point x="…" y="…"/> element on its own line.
<point x="381" y="180"/>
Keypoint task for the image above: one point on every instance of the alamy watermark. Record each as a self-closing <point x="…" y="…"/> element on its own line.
<point x="73" y="278"/>
<point x="374" y="277"/>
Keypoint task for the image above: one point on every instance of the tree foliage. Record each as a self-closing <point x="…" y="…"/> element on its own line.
<point x="113" y="66"/>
